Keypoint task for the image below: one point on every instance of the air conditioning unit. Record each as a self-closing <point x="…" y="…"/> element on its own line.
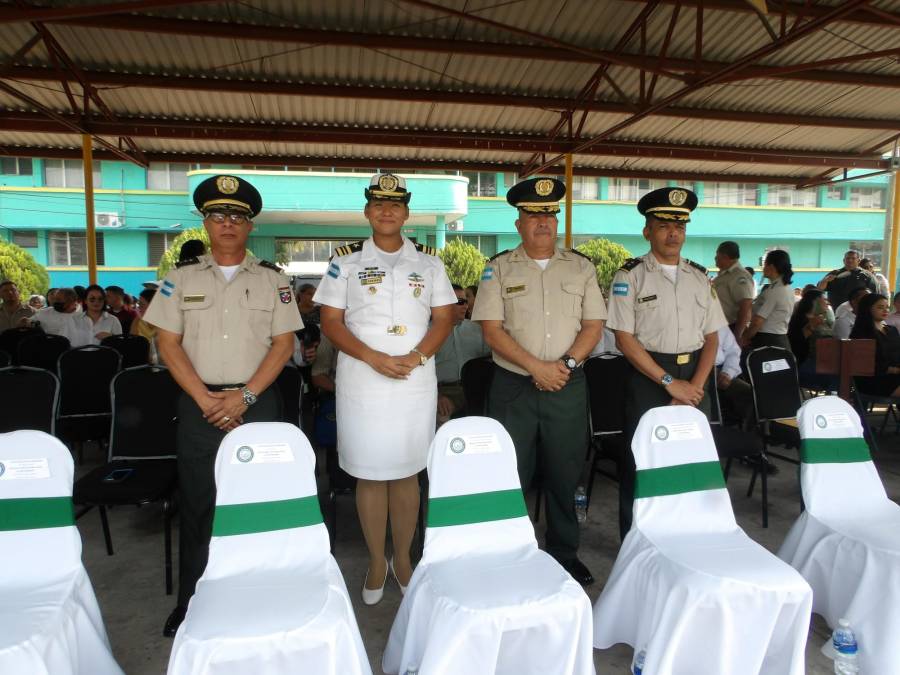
<point x="456" y="226"/>
<point x="107" y="220"/>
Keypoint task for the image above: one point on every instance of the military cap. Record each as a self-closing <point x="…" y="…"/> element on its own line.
<point x="389" y="187"/>
<point x="669" y="203"/>
<point x="229" y="194"/>
<point x="537" y="195"/>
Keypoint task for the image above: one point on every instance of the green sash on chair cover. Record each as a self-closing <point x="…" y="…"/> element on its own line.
<point x="481" y="507"/>
<point x="834" y="450"/>
<point x="285" y="514"/>
<point x="35" y="513"/>
<point x="678" y="479"/>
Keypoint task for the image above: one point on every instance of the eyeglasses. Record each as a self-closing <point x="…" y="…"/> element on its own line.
<point x="462" y="301"/>
<point x="235" y="218"/>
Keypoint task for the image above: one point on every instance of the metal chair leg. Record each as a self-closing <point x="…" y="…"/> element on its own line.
<point x="727" y="469"/>
<point x="765" y="490"/>
<point x="167" y="542"/>
<point x="104" y="521"/>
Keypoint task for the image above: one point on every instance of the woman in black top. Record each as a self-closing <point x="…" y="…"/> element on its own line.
<point x="812" y="319"/>
<point x="870" y="316"/>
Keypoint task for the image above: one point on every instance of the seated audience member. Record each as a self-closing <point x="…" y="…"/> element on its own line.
<point x="464" y="343"/>
<point x="115" y="300"/>
<point x="81" y="292"/>
<point x="144" y="329"/>
<point x="37" y="301"/>
<point x="309" y="311"/>
<point x="192" y="248"/>
<point x="881" y="282"/>
<point x="845" y="314"/>
<point x="894" y="317"/>
<point x="95" y="319"/>
<point x="735" y="394"/>
<point x="812" y="319"/>
<point x="13" y="314"/>
<point x="870" y="325"/>
<point x="61" y="319"/>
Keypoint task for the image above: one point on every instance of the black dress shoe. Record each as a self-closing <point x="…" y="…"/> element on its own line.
<point x="174" y="621"/>
<point x="579" y="572"/>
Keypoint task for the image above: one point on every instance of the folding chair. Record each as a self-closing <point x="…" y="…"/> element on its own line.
<point x="49" y="618"/>
<point x="865" y="404"/>
<point x="476" y="376"/>
<point x="606" y="374"/>
<point x="484" y="598"/>
<point x="41" y="351"/>
<point x="689" y="586"/>
<point x="846" y="543"/>
<point x="28" y="399"/>
<point x="272" y="598"/>
<point x="11" y="337"/>
<point x="135" y="349"/>
<point x="5" y="359"/>
<point x="85" y="375"/>
<point x="140" y="467"/>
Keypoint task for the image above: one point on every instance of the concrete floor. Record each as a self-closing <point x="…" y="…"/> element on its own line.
<point x="130" y="589"/>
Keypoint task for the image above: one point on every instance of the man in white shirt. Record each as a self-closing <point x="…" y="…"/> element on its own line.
<point x="60" y="319"/>
<point x="845" y="314"/>
<point x="465" y="342"/>
<point x="735" y="394"/>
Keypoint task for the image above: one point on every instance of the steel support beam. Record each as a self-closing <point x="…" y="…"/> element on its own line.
<point x="24" y="14"/>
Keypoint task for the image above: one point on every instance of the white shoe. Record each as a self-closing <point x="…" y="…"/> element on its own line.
<point x="394" y="572"/>
<point x="373" y="597"/>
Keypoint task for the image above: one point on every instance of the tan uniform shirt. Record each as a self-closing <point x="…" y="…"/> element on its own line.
<point x="775" y="304"/>
<point x="227" y="326"/>
<point x="664" y="317"/>
<point x="541" y="309"/>
<point x="11" y="320"/>
<point x="732" y="286"/>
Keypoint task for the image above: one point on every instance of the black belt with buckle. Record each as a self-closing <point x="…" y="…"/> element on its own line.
<point x="682" y="359"/>
<point x="224" y="387"/>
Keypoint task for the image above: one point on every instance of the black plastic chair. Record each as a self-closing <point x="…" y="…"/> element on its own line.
<point x="606" y="375"/>
<point x="142" y="446"/>
<point x="10" y="339"/>
<point x="135" y="349"/>
<point x="476" y="376"/>
<point x="865" y="404"/>
<point x="5" y="359"/>
<point x="28" y="399"/>
<point x="42" y="351"/>
<point x="85" y="375"/>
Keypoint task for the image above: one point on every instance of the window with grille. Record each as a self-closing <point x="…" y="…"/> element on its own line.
<point x="836" y="193"/>
<point x="157" y="244"/>
<point x="584" y="187"/>
<point x="730" y="194"/>
<point x="307" y="250"/>
<point x="785" y="195"/>
<point x="15" y="166"/>
<point x="632" y="189"/>
<point x="68" y="173"/>
<point x="481" y="183"/>
<point x="869" y="249"/>
<point x="69" y="249"/>
<point x="25" y="239"/>
<point x="866" y="198"/>
<point x="168" y="176"/>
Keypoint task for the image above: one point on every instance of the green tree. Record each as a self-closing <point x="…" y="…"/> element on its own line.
<point x="464" y="262"/>
<point x="16" y="264"/>
<point x="607" y="257"/>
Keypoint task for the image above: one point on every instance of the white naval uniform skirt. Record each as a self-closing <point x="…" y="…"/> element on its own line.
<point x="384" y="425"/>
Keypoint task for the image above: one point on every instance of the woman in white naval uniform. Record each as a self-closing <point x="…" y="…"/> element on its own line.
<point x="387" y="306"/>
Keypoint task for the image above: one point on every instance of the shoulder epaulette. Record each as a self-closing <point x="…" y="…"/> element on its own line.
<point x="185" y="263"/>
<point x="429" y="250"/>
<point x="577" y="252"/>
<point x="270" y="265"/>
<point x="497" y="255"/>
<point x="696" y="265"/>
<point x="348" y="249"/>
<point x="631" y="263"/>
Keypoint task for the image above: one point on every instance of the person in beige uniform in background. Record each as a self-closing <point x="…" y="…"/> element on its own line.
<point x="735" y="288"/>
<point x="225" y="323"/>
<point x="542" y="312"/>
<point x="666" y="316"/>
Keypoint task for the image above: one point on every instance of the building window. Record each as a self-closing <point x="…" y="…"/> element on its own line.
<point x="866" y="198"/>
<point x="15" y="166"/>
<point x="836" y="193"/>
<point x="730" y="194"/>
<point x="262" y="167"/>
<point x="486" y="244"/>
<point x="869" y="249"/>
<point x="68" y="173"/>
<point x="69" y="249"/>
<point x="584" y="187"/>
<point x="307" y="250"/>
<point x="157" y="244"/>
<point x="167" y="176"/>
<point x="632" y="189"/>
<point x="25" y="239"/>
<point x="785" y="195"/>
<point x="481" y="184"/>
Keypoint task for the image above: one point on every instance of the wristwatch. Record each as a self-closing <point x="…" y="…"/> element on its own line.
<point x="248" y="396"/>
<point x="422" y="358"/>
<point x="569" y="361"/>
<point x="666" y="380"/>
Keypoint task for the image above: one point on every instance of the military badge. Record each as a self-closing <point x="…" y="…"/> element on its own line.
<point x="543" y="187"/>
<point x="417" y="292"/>
<point x="373" y="290"/>
<point x="284" y="294"/>
<point x="227" y="185"/>
<point x="388" y="182"/>
<point x="677" y="197"/>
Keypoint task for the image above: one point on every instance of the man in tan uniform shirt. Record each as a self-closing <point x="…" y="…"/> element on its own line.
<point x="542" y="312"/>
<point x="734" y="286"/>
<point x="226" y="325"/>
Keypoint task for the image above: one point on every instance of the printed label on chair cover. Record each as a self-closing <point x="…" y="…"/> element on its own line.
<point x="775" y="366"/>
<point x="834" y="450"/>
<point x="834" y="421"/>
<point x="24" y="469"/>
<point x="481" y="507"/>
<point x="254" y="517"/>
<point x="36" y="513"/>
<point x="262" y="453"/>
<point x="678" y="479"/>
<point x="681" y="431"/>
<point x="473" y="444"/>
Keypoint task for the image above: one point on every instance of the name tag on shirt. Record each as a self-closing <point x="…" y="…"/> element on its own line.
<point x="194" y="298"/>
<point x="515" y="289"/>
<point x="647" y="299"/>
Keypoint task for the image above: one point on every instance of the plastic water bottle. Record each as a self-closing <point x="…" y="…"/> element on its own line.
<point x="845" y="649"/>
<point x="638" y="666"/>
<point x="580" y="504"/>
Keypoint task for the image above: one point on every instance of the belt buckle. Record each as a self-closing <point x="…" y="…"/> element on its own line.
<point x="683" y="359"/>
<point x="396" y="330"/>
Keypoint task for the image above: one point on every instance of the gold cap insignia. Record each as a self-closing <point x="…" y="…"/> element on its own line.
<point x="227" y="185"/>
<point x="677" y="197"/>
<point x="543" y="187"/>
<point x="388" y="182"/>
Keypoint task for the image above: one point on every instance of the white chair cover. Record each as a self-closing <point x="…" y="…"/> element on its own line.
<point x="484" y="598"/>
<point x="689" y="585"/>
<point x="272" y="599"/>
<point x="50" y="623"/>
<point x="846" y="543"/>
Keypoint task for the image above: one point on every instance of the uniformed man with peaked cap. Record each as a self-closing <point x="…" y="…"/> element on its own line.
<point x="665" y="316"/>
<point x="542" y="312"/>
<point x="226" y="323"/>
